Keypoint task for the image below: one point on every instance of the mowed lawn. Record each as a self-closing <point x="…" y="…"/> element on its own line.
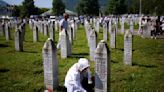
<point x="23" y="71"/>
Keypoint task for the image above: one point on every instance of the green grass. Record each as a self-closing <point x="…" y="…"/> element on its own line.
<point x="23" y="71"/>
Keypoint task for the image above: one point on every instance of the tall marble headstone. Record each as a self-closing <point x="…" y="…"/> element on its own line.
<point x="52" y="31"/>
<point x="113" y="37"/>
<point x="102" y="68"/>
<point x="105" y="31"/>
<point x="7" y="32"/>
<point x="18" y="40"/>
<point x="22" y="27"/>
<point x="50" y="63"/>
<point x="131" y="26"/>
<point x="41" y="27"/>
<point x="128" y="48"/>
<point x="35" y="34"/>
<point x="2" y="29"/>
<point x="147" y="30"/>
<point x="73" y="28"/>
<point x="45" y="29"/>
<point x="65" y="45"/>
<point x="110" y="26"/>
<point x="70" y="33"/>
<point x="97" y="27"/>
<point x="122" y="26"/>
<point x="93" y="44"/>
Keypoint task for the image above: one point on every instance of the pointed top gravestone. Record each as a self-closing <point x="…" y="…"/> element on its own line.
<point x="102" y="68"/>
<point x="52" y="31"/>
<point x="113" y="37"/>
<point x="66" y="48"/>
<point x="128" y="48"/>
<point x="105" y="31"/>
<point x="50" y="63"/>
<point x="18" y="40"/>
<point x="35" y="34"/>
<point x="93" y="44"/>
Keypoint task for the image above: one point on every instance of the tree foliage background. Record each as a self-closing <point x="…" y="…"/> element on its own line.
<point x="58" y="7"/>
<point x="91" y="7"/>
<point x="28" y="8"/>
<point x="88" y="7"/>
<point x="151" y="7"/>
<point x="116" y="7"/>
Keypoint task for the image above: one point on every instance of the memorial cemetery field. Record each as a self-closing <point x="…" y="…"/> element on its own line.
<point x="23" y="71"/>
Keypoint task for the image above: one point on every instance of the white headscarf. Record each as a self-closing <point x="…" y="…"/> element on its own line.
<point x="83" y="63"/>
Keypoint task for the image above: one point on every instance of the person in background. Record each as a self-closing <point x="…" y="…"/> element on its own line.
<point x="78" y="78"/>
<point x="63" y="26"/>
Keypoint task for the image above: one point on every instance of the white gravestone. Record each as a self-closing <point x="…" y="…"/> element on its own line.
<point x="2" y="30"/>
<point x="70" y="33"/>
<point x="73" y="29"/>
<point x="35" y="34"/>
<point x="147" y="30"/>
<point x="102" y="68"/>
<point x="52" y="31"/>
<point x="105" y="31"/>
<point x="122" y="26"/>
<point x="65" y="44"/>
<point x="50" y="64"/>
<point x="128" y="48"/>
<point x="18" y="40"/>
<point x="97" y="28"/>
<point x="131" y="26"/>
<point x="110" y="26"/>
<point x="7" y="32"/>
<point x="113" y="37"/>
<point x="93" y="44"/>
<point x="45" y="29"/>
<point x="22" y="26"/>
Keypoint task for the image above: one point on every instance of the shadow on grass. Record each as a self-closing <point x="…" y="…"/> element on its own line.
<point x="146" y="66"/>
<point x="30" y="51"/>
<point x="121" y="49"/>
<point x="113" y="61"/>
<point x="3" y="45"/>
<point x="3" y="70"/>
<point x="61" y="89"/>
<point x="79" y="55"/>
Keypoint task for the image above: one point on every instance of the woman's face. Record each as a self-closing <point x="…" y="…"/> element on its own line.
<point x="85" y="69"/>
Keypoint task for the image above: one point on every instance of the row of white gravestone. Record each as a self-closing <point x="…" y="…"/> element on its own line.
<point x="48" y="29"/>
<point x="127" y="47"/>
<point x="101" y="58"/>
<point x="102" y="66"/>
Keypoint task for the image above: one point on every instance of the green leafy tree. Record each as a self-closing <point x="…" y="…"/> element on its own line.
<point x="28" y="8"/>
<point x="58" y="7"/>
<point x="116" y="7"/>
<point x="16" y="11"/>
<point x="159" y="6"/>
<point x="88" y="7"/>
<point x="150" y="7"/>
<point x="133" y="8"/>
